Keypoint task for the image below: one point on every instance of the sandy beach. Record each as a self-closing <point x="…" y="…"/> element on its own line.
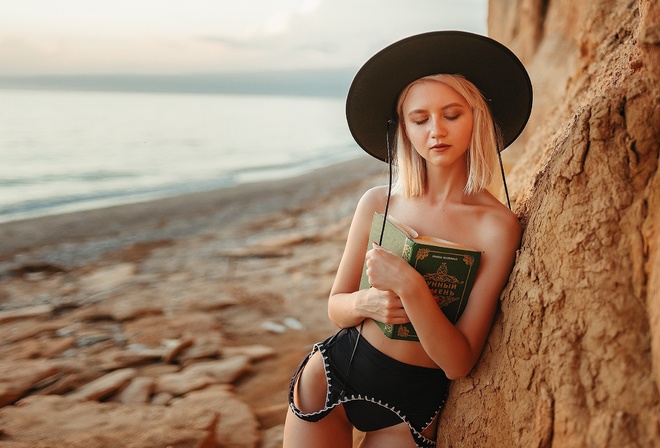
<point x="259" y="258"/>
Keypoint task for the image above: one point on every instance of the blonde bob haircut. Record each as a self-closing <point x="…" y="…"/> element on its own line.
<point x="482" y="154"/>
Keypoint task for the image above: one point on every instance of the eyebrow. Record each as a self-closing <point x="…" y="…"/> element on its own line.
<point x="448" y="106"/>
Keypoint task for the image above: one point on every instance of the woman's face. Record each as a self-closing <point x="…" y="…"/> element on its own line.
<point x="438" y="122"/>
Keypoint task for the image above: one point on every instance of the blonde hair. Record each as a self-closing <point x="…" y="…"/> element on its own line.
<point x="482" y="153"/>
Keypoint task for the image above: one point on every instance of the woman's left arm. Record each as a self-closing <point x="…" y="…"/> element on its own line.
<point x="454" y="348"/>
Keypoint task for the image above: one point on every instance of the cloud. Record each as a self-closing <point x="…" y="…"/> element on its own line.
<point x="344" y="32"/>
<point x="210" y="36"/>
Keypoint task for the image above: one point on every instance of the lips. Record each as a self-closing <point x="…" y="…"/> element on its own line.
<point x="440" y="147"/>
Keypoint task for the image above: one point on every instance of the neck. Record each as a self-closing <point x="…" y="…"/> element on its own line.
<point x="445" y="184"/>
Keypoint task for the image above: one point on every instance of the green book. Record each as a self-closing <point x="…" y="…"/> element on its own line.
<point x="448" y="268"/>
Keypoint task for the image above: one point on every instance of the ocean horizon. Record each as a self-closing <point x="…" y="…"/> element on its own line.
<point x="73" y="150"/>
<point x="326" y="82"/>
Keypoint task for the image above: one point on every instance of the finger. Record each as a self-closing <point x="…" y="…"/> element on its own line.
<point x="398" y="316"/>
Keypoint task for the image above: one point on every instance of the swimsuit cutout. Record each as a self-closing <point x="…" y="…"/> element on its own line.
<point x="382" y="391"/>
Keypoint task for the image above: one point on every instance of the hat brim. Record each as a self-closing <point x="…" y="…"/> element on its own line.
<point x="492" y="67"/>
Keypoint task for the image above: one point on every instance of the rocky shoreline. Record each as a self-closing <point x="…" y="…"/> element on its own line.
<point x="170" y="323"/>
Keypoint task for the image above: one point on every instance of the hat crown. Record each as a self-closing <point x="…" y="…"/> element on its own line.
<point x="492" y="67"/>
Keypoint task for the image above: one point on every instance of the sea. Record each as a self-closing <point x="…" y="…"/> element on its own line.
<point x="63" y="151"/>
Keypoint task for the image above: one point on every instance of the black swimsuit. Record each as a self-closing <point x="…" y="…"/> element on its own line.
<point x="382" y="391"/>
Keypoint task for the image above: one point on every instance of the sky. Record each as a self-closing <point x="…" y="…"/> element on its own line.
<point x="40" y="37"/>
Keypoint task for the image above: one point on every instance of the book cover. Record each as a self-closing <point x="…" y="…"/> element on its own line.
<point x="448" y="268"/>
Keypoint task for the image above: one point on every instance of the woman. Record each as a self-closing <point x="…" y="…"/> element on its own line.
<point x="455" y="100"/>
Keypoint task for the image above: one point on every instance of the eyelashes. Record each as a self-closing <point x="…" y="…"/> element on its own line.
<point x="446" y="117"/>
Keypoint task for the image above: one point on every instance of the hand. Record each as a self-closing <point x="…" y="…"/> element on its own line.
<point x="384" y="306"/>
<point x="385" y="270"/>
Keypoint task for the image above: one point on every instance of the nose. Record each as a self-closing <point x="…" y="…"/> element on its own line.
<point x="438" y="128"/>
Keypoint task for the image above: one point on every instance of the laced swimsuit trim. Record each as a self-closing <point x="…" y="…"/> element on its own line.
<point x="431" y="402"/>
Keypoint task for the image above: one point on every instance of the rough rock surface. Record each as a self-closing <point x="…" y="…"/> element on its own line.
<point x="574" y="356"/>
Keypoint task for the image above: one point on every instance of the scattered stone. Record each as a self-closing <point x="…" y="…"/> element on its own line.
<point x="254" y="352"/>
<point x="55" y="421"/>
<point x="138" y="391"/>
<point x="223" y="371"/>
<point x="200" y="375"/>
<point x="293" y="323"/>
<point x="108" y="278"/>
<point x="22" y="313"/>
<point x="156" y="370"/>
<point x="175" y="346"/>
<point x="92" y="313"/>
<point x="133" y="309"/>
<point x="48" y="381"/>
<point x="181" y="383"/>
<point x="206" y="346"/>
<point x="18" y="377"/>
<point x="104" y="386"/>
<point x="273" y="327"/>
<point x="92" y="339"/>
<point x="208" y="303"/>
<point x="111" y="360"/>
<point x="26" y="329"/>
<point x="100" y="347"/>
<point x="69" y="330"/>
<point x="162" y="399"/>
<point x="35" y="348"/>
<point x="27" y="269"/>
<point x="152" y="330"/>
<point x="237" y="426"/>
<point x="62" y="384"/>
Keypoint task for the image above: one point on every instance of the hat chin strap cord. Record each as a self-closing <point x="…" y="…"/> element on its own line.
<point x="389" y="183"/>
<point x="380" y="243"/>
<point x="506" y="190"/>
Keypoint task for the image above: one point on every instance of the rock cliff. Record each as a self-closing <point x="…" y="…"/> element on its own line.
<point x="574" y="356"/>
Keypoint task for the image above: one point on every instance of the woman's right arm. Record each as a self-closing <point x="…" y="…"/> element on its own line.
<point x="348" y="305"/>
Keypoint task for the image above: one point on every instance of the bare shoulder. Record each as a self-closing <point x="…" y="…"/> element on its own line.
<point x="498" y="225"/>
<point x="373" y="200"/>
<point x="376" y="196"/>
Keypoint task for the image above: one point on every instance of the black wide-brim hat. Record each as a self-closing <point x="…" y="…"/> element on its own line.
<point x="492" y="67"/>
